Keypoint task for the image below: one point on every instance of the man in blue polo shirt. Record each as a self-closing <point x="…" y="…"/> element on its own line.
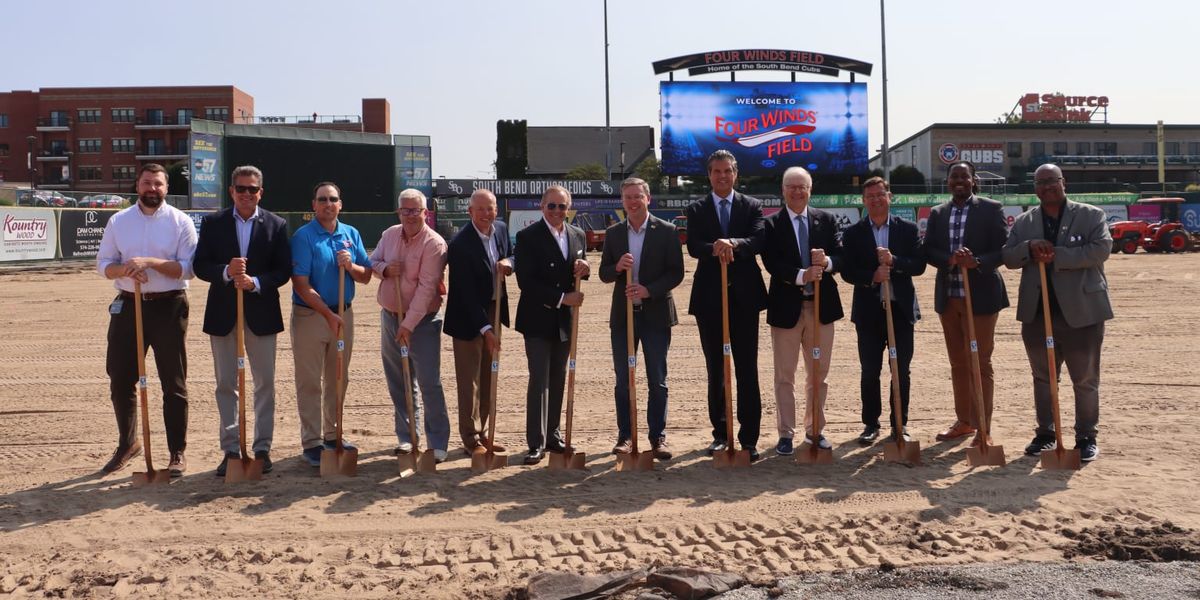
<point x="319" y="248"/>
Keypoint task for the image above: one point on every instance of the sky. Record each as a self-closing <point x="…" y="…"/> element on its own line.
<point x="451" y="68"/>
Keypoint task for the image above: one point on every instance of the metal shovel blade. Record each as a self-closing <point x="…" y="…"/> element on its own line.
<point x="811" y="454"/>
<point x="407" y="464"/>
<point x="155" y="477"/>
<point x="731" y="459"/>
<point x="498" y="460"/>
<point x="340" y="461"/>
<point x="983" y="456"/>
<point x="635" y="461"/>
<point x="243" y="469"/>
<point x="906" y="452"/>
<point x="557" y="461"/>
<point x="568" y="459"/>
<point x="479" y="460"/>
<point x="427" y="462"/>
<point x="1060" y="458"/>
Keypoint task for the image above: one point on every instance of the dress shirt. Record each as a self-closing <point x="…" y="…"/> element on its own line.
<point x="422" y="259"/>
<point x="560" y="237"/>
<point x="493" y="253"/>
<point x="796" y="225"/>
<point x="637" y="239"/>
<point x="881" y="241"/>
<point x="168" y="234"/>
<point x="957" y="230"/>
<point x="243" y="228"/>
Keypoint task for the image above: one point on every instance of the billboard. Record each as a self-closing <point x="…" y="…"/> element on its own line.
<point x="28" y="234"/>
<point x="414" y="166"/>
<point x="768" y="126"/>
<point x="80" y="232"/>
<point x="205" y="177"/>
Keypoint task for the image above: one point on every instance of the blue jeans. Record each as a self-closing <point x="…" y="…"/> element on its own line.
<point x="426" y="366"/>
<point x="656" y="342"/>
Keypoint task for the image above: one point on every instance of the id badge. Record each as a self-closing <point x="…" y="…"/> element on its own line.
<point x="115" y="307"/>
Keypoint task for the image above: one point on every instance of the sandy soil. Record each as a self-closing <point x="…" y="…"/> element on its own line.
<point x="67" y="531"/>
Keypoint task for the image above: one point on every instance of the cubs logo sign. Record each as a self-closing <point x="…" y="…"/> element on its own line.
<point x="948" y="153"/>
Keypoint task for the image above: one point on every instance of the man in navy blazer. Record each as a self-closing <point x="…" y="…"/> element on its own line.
<point x="550" y="254"/>
<point x="473" y="256"/>
<point x="882" y="247"/>
<point x="244" y="247"/>
<point x="802" y="247"/>
<point x="727" y="227"/>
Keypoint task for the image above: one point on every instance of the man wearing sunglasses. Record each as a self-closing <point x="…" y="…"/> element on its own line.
<point x="550" y="254"/>
<point x="244" y="247"/>
<point x="319" y="249"/>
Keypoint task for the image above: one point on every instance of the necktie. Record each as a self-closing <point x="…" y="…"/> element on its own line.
<point x="724" y="212"/>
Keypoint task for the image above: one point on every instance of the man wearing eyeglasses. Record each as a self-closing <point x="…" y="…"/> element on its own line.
<point x="550" y="254"/>
<point x="1073" y="241"/>
<point x="244" y="247"/>
<point x="802" y="247"/>
<point x="413" y="253"/>
<point x="319" y="249"/>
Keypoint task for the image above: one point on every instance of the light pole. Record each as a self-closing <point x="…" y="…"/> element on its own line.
<point x="622" y="155"/>
<point x="31" y="139"/>
<point x="884" y="162"/>
<point x="70" y="165"/>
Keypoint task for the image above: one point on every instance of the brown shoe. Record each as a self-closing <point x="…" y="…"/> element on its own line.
<point x="659" y="447"/>
<point x="495" y="446"/>
<point x="178" y="464"/>
<point x="978" y="438"/>
<point x="957" y="430"/>
<point x="121" y="457"/>
<point x="623" y="447"/>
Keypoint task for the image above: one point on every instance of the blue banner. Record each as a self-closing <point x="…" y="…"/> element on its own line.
<point x="768" y="126"/>
<point x="414" y="166"/>
<point x="205" y="171"/>
<point x="1189" y="215"/>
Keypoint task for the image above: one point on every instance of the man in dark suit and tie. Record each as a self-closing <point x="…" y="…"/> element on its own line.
<point x="474" y="255"/>
<point x="882" y="247"/>
<point x="727" y="227"/>
<point x="968" y="231"/>
<point x="802" y="247"/>
<point x="244" y="247"/>
<point x="549" y="256"/>
<point x="649" y="246"/>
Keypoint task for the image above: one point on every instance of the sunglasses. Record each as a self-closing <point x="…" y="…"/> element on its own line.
<point x="330" y="199"/>
<point x="553" y="206"/>
<point x="247" y="189"/>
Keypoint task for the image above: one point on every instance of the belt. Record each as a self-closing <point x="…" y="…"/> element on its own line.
<point x="147" y="296"/>
<point x="332" y="308"/>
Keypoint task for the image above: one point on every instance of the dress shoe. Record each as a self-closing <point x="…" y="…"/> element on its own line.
<point x="957" y="430"/>
<point x="715" y="446"/>
<point x="178" y="464"/>
<point x="978" y="440"/>
<point x="265" y="457"/>
<point x="494" y="446"/>
<point x="555" y="447"/>
<point x="623" y="447"/>
<point x="659" y="447"/>
<point x="121" y="457"/>
<point x="224" y="466"/>
<point x="869" y="435"/>
<point x="754" y="455"/>
<point x="534" y="456"/>
<point x="784" y="447"/>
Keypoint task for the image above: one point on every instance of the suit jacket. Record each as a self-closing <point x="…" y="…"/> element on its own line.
<point x="908" y="260"/>
<point x="782" y="259"/>
<point x="984" y="235"/>
<point x="472" y="283"/>
<point x="268" y="257"/>
<point x="1077" y="273"/>
<point x="660" y="270"/>
<point x="543" y="276"/>
<point x="748" y="231"/>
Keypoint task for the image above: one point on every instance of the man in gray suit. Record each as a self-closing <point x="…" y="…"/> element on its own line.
<point x="1072" y="239"/>
<point x="649" y="246"/>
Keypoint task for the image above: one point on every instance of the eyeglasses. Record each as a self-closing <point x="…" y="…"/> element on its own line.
<point x="408" y="212"/>
<point x="797" y="188"/>
<point x="1050" y="181"/>
<point x="329" y="199"/>
<point x="553" y="206"/>
<point x="882" y="196"/>
<point x="247" y="189"/>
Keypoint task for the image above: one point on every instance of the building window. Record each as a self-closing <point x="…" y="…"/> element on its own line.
<point x="122" y="115"/>
<point x="3" y="121"/>
<point x="1150" y="148"/>
<point x="1037" y="149"/>
<point x="1194" y="148"/>
<point x="1014" y="149"/>
<point x="1083" y="148"/>
<point x="122" y="144"/>
<point x="89" y="115"/>
<point x="58" y="147"/>
<point x="154" y="116"/>
<point x="183" y="116"/>
<point x="89" y="174"/>
<point x="91" y="146"/>
<point x="156" y="147"/>
<point x="1106" y="148"/>
<point x="181" y="146"/>
<point x="220" y="113"/>
<point x="59" y="118"/>
<point x="3" y="150"/>
<point x="124" y="173"/>
<point x="1060" y="148"/>
<point x="1172" y="148"/>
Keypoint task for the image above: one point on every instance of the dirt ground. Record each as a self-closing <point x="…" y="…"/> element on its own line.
<point x="67" y="531"/>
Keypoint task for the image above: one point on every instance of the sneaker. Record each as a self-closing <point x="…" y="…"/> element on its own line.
<point x="403" y="448"/>
<point x="1040" y="444"/>
<point x="821" y="442"/>
<point x="332" y="445"/>
<point x="660" y="450"/>
<point x="754" y="455"/>
<point x="715" y="446"/>
<point x="121" y="457"/>
<point x="623" y="447"/>
<point x="1088" y="450"/>
<point x="957" y="430"/>
<point x="439" y="456"/>
<point x="784" y="447"/>
<point x="265" y="457"/>
<point x="224" y="466"/>
<point x="178" y="464"/>
<point x="313" y="455"/>
<point x="869" y="434"/>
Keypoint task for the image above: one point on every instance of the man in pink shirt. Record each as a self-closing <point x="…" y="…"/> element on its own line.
<point x="416" y="254"/>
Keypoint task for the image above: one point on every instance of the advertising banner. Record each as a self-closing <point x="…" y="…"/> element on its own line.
<point x="588" y="204"/>
<point x="1010" y="214"/>
<point x="768" y="126"/>
<point x="28" y="234"/>
<point x="985" y="157"/>
<point x="1189" y="215"/>
<point x="80" y="232"/>
<point x="1150" y="213"/>
<point x="1115" y="212"/>
<point x="845" y="217"/>
<point x="527" y="187"/>
<point x="923" y="219"/>
<point x="520" y="219"/>
<point x="414" y="168"/>
<point x="205" y="178"/>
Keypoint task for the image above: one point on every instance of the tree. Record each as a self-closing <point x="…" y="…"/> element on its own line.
<point x="1011" y="118"/>
<point x="587" y="171"/>
<point x="512" y="149"/>
<point x="907" y="175"/>
<point x="650" y="171"/>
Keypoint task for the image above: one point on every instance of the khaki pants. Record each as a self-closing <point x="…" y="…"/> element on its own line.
<point x="954" y="326"/>
<point x="788" y="344"/>
<point x="315" y="349"/>
<point x="472" y="372"/>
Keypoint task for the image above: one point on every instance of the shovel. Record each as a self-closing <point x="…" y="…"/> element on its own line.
<point x="729" y="457"/>
<point x="484" y="459"/>
<point x="415" y="461"/>
<point x="984" y="453"/>
<point x="900" y="450"/>
<point x="1059" y="457"/>
<point x="152" y="475"/>
<point x="244" y="468"/>
<point x="340" y="460"/>
<point x="814" y="454"/>
<point x="569" y="458"/>
<point x="634" y="461"/>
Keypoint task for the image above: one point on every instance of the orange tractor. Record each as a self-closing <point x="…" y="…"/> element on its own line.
<point x="1167" y="235"/>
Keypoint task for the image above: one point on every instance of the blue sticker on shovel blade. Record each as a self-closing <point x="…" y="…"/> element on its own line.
<point x="403" y="351"/>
